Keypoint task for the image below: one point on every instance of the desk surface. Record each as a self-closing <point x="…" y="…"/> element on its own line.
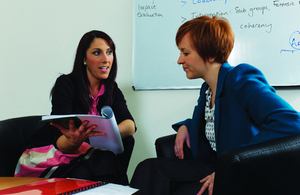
<point x="8" y="182"/>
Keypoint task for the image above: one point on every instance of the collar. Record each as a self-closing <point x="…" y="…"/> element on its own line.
<point x="223" y="72"/>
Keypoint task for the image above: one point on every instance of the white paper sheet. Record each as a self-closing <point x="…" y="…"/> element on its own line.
<point x="109" y="189"/>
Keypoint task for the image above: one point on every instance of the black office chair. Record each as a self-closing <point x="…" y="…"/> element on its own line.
<point x="272" y="167"/>
<point x="13" y="133"/>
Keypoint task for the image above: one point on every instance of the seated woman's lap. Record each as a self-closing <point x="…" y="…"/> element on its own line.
<point x="166" y="175"/>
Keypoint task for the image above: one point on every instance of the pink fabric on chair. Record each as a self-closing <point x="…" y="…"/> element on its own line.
<point x="34" y="161"/>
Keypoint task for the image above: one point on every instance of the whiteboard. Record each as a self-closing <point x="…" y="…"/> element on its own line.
<point x="267" y="36"/>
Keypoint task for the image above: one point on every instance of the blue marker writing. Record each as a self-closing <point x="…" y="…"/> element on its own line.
<point x="294" y="42"/>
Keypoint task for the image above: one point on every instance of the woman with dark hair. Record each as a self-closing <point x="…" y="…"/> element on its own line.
<point x="80" y="71"/>
<point x="237" y="107"/>
<point x="90" y="86"/>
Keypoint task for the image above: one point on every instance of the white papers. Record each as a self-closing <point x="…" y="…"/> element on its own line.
<point x="106" y="123"/>
<point x="109" y="189"/>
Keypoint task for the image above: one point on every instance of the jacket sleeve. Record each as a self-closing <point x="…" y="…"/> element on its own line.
<point x="119" y="106"/>
<point x="186" y="122"/>
<point x="273" y="116"/>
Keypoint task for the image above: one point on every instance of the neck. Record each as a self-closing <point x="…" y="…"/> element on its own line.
<point x="94" y="89"/>
<point x="212" y="76"/>
<point x="94" y="86"/>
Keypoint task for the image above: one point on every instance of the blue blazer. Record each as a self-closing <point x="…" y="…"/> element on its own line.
<point x="247" y="111"/>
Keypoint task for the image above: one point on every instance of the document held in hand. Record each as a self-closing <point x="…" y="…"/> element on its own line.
<point x="107" y="123"/>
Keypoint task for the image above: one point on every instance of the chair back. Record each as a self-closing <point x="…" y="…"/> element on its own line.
<point x="13" y="133"/>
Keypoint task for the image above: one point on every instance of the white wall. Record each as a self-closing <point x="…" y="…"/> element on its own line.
<point x="33" y="54"/>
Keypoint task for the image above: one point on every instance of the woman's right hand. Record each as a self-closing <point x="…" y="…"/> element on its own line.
<point x="181" y="137"/>
<point x="73" y="137"/>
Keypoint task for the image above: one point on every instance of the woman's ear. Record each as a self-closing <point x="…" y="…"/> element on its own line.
<point x="211" y="59"/>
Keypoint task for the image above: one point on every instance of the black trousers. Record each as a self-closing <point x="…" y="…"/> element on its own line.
<point x="163" y="176"/>
<point x="102" y="166"/>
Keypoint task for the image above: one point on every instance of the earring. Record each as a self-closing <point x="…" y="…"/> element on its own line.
<point x="84" y="63"/>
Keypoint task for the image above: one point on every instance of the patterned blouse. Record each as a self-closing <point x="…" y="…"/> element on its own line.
<point x="210" y="120"/>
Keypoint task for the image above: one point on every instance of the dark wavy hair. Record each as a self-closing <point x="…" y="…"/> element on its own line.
<point x="79" y="74"/>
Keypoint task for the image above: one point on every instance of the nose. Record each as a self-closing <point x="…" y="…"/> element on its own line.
<point x="105" y="58"/>
<point x="180" y="60"/>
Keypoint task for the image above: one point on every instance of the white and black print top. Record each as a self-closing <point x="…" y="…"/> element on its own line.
<point x="210" y="120"/>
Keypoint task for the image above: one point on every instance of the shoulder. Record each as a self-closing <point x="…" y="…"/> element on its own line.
<point x="64" y="79"/>
<point x="246" y="80"/>
<point x="244" y="70"/>
<point x="117" y="91"/>
<point x="64" y="84"/>
<point x="245" y="73"/>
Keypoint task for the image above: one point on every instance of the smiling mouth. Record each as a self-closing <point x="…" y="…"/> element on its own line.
<point x="104" y="68"/>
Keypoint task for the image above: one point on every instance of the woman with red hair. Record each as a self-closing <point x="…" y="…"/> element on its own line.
<point x="237" y="107"/>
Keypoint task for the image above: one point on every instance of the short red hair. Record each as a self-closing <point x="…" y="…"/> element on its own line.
<point x="211" y="37"/>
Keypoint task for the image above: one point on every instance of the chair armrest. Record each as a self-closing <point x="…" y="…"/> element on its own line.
<point x="165" y="147"/>
<point x="272" y="167"/>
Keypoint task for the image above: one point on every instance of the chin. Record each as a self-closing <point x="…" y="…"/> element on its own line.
<point x="104" y="76"/>
<point x="190" y="77"/>
<point x="193" y="76"/>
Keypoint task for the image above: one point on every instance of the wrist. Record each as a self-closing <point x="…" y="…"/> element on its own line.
<point x="64" y="145"/>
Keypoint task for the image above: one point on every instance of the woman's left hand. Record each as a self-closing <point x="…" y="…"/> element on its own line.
<point x="208" y="182"/>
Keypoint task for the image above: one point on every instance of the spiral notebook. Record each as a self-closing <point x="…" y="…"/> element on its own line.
<point x="55" y="186"/>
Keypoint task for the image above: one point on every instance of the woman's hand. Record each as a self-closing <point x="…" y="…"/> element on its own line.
<point x="181" y="137"/>
<point x="73" y="137"/>
<point x="208" y="182"/>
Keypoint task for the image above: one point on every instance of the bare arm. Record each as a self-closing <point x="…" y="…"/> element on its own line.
<point x="126" y="128"/>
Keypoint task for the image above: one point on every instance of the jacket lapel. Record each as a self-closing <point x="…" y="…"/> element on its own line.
<point x="223" y="72"/>
<point x="196" y="138"/>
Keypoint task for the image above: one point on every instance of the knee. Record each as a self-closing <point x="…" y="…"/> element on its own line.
<point x="146" y="164"/>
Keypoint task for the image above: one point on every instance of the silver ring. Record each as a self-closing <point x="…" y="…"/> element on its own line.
<point x="207" y="182"/>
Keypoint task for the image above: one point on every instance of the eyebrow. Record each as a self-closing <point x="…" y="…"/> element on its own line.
<point x="96" y="48"/>
<point x="182" y="49"/>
